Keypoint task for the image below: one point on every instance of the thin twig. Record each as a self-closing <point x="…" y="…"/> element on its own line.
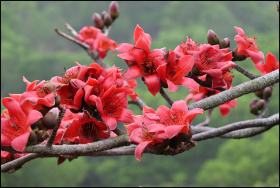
<point x="68" y="26"/>
<point x="60" y="117"/>
<point x="207" y="120"/>
<point x="165" y="96"/>
<point x="246" y="73"/>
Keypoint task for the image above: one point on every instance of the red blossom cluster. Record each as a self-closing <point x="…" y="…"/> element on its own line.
<point x="96" y="98"/>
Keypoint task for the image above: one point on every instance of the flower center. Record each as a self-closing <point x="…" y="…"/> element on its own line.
<point x="208" y="60"/>
<point x="145" y="134"/>
<point x="67" y="76"/>
<point x="148" y="66"/>
<point x="250" y="44"/>
<point x="113" y="106"/>
<point x="88" y="132"/>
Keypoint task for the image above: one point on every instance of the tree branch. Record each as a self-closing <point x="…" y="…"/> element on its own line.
<point x="245" y="72"/>
<point x="237" y="91"/>
<point x="272" y="120"/>
<point x="165" y="96"/>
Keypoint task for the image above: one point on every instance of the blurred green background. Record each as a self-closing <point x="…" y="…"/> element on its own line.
<point x="31" y="48"/>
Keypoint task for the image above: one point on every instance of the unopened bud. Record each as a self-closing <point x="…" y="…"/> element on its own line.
<point x="97" y="20"/>
<point x="212" y="37"/>
<point x="107" y="20"/>
<point x="238" y="57"/>
<point x="259" y="93"/>
<point x="49" y="121"/>
<point x="253" y="102"/>
<point x="224" y="43"/>
<point x="114" y="10"/>
<point x="184" y="137"/>
<point x="103" y="14"/>
<point x="254" y="110"/>
<point x="49" y="85"/>
<point x="33" y="139"/>
<point x="57" y="100"/>
<point x="267" y="92"/>
<point x="260" y="104"/>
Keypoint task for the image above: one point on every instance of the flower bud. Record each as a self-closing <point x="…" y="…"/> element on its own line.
<point x="259" y="93"/>
<point x="224" y="43"/>
<point x="33" y="139"/>
<point x="114" y="10"/>
<point x="212" y="37"/>
<point x="267" y="92"/>
<point x="103" y="14"/>
<point x="49" y="121"/>
<point x="238" y="57"/>
<point x="107" y="20"/>
<point x="57" y="100"/>
<point x="97" y="20"/>
<point x="49" y="85"/>
<point x="254" y="110"/>
<point x="253" y="102"/>
<point x="260" y="104"/>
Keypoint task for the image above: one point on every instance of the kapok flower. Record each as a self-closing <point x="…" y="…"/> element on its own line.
<point x="88" y="129"/>
<point x="103" y="44"/>
<point x="141" y="60"/>
<point x="112" y="106"/>
<point x="187" y="48"/>
<point x="36" y="97"/>
<point x="247" y="46"/>
<point x="270" y="65"/>
<point x="177" y="119"/>
<point x="213" y="61"/>
<point x="88" y="34"/>
<point x="15" y="129"/>
<point x="174" y="71"/>
<point x="205" y="92"/>
<point x="141" y="131"/>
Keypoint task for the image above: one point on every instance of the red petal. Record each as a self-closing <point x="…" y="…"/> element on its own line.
<point x="19" y="143"/>
<point x="153" y="83"/>
<point x="142" y="43"/>
<point x="125" y="116"/>
<point x="192" y="113"/>
<point x="132" y="72"/>
<point x="191" y="84"/>
<point x="126" y="56"/>
<point x="16" y="113"/>
<point x="174" y="130"/>
<point x="124" y="47"/>
<point x="171" y="86"/>
<point x="161" y="70"/>
<point x="32" y="117"/>
<point x="137" y="33"/>
<point x="140" y="149"/>
<point x="186" y="63"/>
<point x="239" y="31"/>
<point x="224" y="109"/>
<point x="163" y="112"/>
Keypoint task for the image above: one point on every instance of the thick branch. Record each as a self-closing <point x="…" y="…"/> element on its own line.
<point x="237" y="91"/>
<point x="265" y="122"/>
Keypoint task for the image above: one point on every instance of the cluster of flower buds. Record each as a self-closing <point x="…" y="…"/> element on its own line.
<point x="256" y="106"/>
<point x="106" y="19"/>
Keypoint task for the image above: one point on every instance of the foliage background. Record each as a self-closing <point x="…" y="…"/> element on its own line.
<point x="31" y="48"/>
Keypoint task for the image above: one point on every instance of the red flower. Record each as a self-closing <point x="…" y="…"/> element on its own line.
<point x="141" y="131"/>
<point x="104" y="44"/>
<point x="112" y="106"/>
<point x="88" y="34"/>
<point x="247" y="46"/>
<point x="141" y="60"/>
<point x="131" y="84"/>
<point x="36" y="97"/>
<point x="177" y="119"/>
<point x="87" y="128"/>
<point x="205" y="92"/>
<point x="174" y="71"/>
<point x="15" y="130"/>
<point x="214" y="62"/>
<point x="155" y="127"/>
<point x="187" y="48"/>
<point x="270" y="65"/>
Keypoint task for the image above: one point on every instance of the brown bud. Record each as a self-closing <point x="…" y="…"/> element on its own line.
<point x="57" y="100"/>
<point x="97" y="20"/>
<point x="49" y="121"/>
<point x="259" y="94"/>
<point x="212" y="37"/>
<point x="50" y="86"/>
<point x="238" y="57"/>
<point x="114" y="10"/>
<point x="33" y="139"/>
<point x="267" y="92"/>
<point x="224" y="43"/>
<point x="260" y="104"/>
<point x="253" y="102"/>
<point x="184" y="137"/>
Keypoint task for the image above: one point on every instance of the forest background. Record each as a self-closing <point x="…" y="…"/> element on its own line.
<point x="31" y="48"/>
